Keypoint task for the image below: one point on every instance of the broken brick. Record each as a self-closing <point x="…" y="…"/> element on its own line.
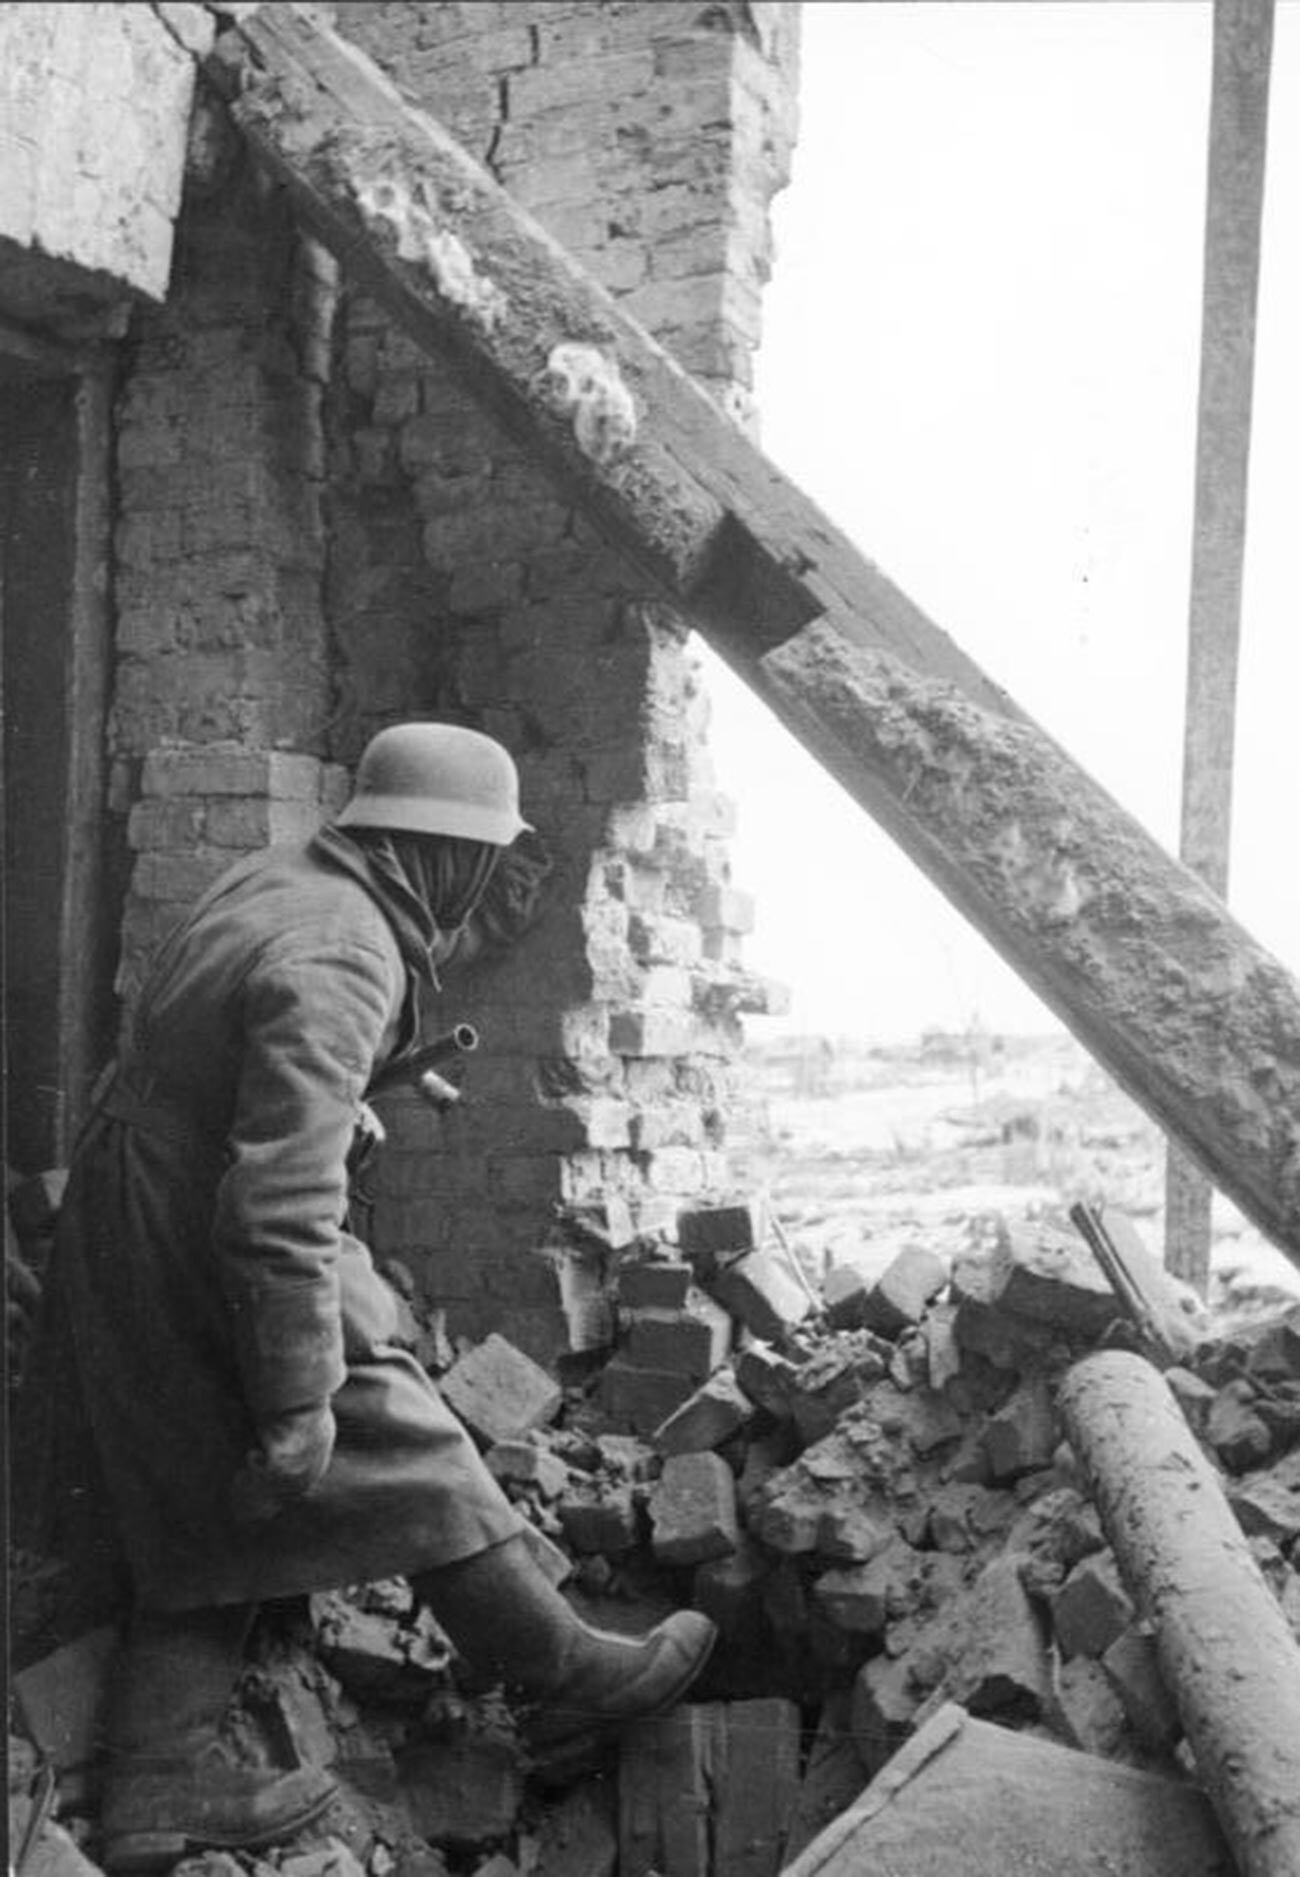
<point x="1268" y="1504"/>
<point x="768" y="1378"/>
<point x="762" y="1291"/>
<point x="600" y="1518"/>
<point x="655" y="1284"/>
<point x="864" y="1597"/>
<point x="520" y="1463"/>
<point x="883" y="1705"/>
<point x="844" y="1295"/>
<point x="1021" y="1436"/>
<point x="712" y="1415"/>
<point x="641" y="1399"/>
<point x="1235" y="1430"/>
<point x="910" y="1281"/>
<point x="1092" y="1608"/>
<point x="710" y="1232"/>
<point x="988" y="1646"/>
<point x="1133" y="1668"/>
<point x="693" y="1510"/>
<point x="465" y="1791"/>
<point x="692" y="1342"/>
<point x="1085" y="1708"/>
<point x="499" y="1392"/>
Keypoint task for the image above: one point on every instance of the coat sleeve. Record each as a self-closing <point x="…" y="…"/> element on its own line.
<point x="312" y="1027"/>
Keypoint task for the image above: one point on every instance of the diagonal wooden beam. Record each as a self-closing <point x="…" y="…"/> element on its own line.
<point x="1137" y="956"/>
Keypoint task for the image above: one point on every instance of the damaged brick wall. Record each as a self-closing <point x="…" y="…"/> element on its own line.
<point x="320" y="532"/>
<point x="649" y="139"/>
<point x="222" y="666"/>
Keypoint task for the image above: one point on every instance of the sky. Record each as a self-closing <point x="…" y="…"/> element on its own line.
<point x="980" y="358"/>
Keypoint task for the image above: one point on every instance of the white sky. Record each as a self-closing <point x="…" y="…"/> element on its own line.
<point x="981" y="357"/>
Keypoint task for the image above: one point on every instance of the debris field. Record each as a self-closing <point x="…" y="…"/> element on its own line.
<point x="865" y="1484"/>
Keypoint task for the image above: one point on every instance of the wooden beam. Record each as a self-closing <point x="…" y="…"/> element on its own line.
<point x="1136" y="955"/>
<point x="1234" y="208"/>
<point x="1227" y="1652"/>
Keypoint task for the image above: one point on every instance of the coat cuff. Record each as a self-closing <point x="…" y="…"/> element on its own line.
<point x="291" y="1350"/>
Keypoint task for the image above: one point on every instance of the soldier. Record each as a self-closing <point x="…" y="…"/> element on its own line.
<point x="256" y="1432"/>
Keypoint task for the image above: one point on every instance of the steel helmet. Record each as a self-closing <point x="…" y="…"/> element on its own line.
<point x="436" y="778"/>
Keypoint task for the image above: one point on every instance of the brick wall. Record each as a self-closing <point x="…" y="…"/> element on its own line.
<point x="221" y="639"/>
<point x="315" y="540"/>
<point x="649" y="139"/>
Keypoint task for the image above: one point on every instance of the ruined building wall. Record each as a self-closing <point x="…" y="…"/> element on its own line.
<point x="315" y="542"/>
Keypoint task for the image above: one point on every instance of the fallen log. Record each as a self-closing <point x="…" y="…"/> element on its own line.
<point x="1136" y="955"/>
<point x="1226" y="1650"/>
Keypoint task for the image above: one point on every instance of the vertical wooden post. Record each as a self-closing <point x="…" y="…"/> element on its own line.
<point x="1243" y="40"/>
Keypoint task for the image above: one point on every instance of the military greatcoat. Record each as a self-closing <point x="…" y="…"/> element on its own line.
<point x="204" y="1272"/>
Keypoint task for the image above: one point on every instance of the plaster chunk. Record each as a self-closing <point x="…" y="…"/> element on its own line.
<point x="422" y="241"/>
<point x="588" y="383"/>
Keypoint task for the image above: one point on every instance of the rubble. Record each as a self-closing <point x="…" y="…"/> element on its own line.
<point x="883" y="1518"/>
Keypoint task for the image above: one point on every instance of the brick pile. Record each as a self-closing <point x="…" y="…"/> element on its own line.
<point x="873" y="1501"/>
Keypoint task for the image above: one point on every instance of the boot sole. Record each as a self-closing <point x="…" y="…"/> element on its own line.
<point x="159" y="1850"/>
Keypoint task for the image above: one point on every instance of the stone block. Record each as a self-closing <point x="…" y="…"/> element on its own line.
<point x="1133" y="1668"/>
<point x="1021" y="1436"/>
<point x="910" y="1281"/>
<point x="693" y="1342"/>
<point x="1092" y="1609"/>
<point x="641" y="1399"/>
<point x="656" y="1284"/>
<point x="499" y="1392"/>
<point x="716" y="1411"/>
<point x="762" y="1292"/>
<point x="693" y="1510"/>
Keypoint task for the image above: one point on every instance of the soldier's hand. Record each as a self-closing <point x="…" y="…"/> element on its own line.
<point x="294" y="1451"/>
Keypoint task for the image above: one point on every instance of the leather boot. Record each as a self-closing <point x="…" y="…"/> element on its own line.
<point x="175" y="1780"/>
<point x="510" y="1622"/>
